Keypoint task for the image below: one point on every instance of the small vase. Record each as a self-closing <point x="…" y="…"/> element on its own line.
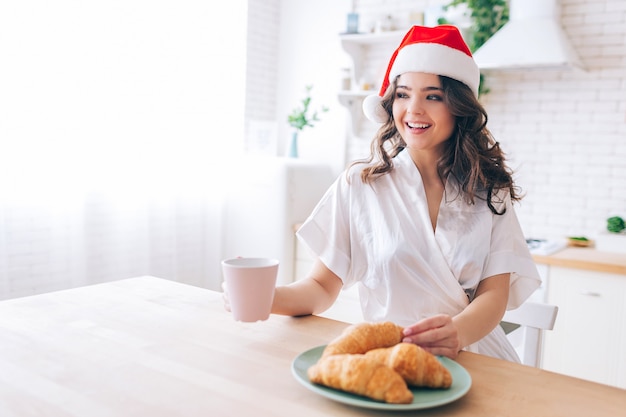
<point x="293" y="145"/>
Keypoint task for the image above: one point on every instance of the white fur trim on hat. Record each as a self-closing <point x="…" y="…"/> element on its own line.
<point x="373" y="109"/>
<point x="438" y="59"/>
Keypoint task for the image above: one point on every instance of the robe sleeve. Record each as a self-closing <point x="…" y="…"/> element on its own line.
<point x="326" y="231"/>
<point x="509" y="253"/>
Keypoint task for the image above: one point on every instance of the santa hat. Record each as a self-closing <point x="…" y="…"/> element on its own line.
<point x="436" y="50"/>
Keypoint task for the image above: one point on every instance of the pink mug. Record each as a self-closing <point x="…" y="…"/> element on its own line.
<point x="250" y="283"/>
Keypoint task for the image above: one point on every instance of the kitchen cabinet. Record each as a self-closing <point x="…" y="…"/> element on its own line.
<point x="588" y="340"/>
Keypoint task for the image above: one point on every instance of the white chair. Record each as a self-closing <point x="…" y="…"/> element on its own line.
<point x="530" y="319"/>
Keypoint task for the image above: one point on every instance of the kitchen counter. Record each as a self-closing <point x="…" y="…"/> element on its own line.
<point x="585" y="258"/>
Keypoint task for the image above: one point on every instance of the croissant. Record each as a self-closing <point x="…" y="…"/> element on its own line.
<point x="359" y="375"/>
<point x="417" y="366"/>
<point x="362" y="337"/>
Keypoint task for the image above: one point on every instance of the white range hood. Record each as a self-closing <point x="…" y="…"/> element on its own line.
<point x="532" y="39"/>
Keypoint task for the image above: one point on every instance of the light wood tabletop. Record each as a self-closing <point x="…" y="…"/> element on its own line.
<point x="151" y="347"/>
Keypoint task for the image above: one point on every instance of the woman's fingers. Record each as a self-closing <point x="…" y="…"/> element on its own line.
<point x="436" y="334"/>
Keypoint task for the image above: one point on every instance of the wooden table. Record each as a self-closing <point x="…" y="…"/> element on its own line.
<point x="151" y="347"/>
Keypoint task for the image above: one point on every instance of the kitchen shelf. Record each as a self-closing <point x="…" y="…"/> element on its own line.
<point x="347" y="98"/>
<point x="359" y="45"/>
<point x="372" y="38"/>
<point x="353" y="101"/>
<point x="371" y="50"/>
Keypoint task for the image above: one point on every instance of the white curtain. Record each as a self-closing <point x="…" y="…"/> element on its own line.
<point x="117" y="118"/>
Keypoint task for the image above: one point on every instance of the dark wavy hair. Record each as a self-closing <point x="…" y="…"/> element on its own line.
<point x="471" y="155"/>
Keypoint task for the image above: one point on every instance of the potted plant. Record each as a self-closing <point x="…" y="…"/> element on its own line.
<point x="614" y="238"/>
<point x="615" y="224"/>
<point x="300" y="118"/>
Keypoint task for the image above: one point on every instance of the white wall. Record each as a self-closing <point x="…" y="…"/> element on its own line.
<point x="291" y="44"/>
<point x="262" y="55"/>
<point x="310" y="53"/>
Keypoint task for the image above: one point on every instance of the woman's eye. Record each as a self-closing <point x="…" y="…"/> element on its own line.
<point x="401" y="95"/>
<point x="435" y="97"/>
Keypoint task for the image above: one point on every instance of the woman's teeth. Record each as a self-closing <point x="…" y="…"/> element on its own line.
<point x="418" y="125"/>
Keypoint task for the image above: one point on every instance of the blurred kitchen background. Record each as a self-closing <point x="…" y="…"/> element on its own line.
<point x="149" y="137"/>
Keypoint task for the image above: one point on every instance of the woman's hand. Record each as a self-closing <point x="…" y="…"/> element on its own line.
<point x="446" y="336"/>
<point x="437" y="334"/>
<point x="311" y="295"/>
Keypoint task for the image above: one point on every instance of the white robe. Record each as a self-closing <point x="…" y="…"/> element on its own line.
<point x="380" y="236"/>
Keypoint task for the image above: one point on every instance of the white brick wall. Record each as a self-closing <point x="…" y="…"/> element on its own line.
<point x="564" y="131"/>
<point x="262" y="50"/>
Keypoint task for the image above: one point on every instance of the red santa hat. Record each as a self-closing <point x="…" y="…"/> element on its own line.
<point x="438" y="50"/>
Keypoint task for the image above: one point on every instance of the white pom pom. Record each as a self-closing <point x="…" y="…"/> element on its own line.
<point x="373" y="109"/>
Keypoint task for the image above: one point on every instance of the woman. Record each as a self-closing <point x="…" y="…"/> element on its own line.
<point x="425" y="227"/>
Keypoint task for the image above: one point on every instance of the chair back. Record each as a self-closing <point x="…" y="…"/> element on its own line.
<point x="532" y="319"/>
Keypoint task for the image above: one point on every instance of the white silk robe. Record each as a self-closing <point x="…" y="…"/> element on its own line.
<point x="380" y="237"/>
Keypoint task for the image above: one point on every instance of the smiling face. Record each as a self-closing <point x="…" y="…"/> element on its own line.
<point x="420" y="114"/>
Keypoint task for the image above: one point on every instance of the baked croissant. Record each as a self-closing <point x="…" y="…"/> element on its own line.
<point x="417" y="366"/>
<point x="362" y="376"/>
<point x="365" y="336"/>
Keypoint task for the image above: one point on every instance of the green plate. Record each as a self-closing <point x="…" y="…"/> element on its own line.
<point x="422" y="397"/>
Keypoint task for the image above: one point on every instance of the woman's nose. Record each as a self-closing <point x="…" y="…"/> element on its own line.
<point x="415" y="107"/>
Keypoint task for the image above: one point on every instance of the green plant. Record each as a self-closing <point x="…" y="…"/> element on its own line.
<point x="299" y="117"/>
<point x="488" y="16"/>
<point x="615" y="224"/>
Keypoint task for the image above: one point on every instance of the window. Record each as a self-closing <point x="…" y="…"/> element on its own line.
<point x="109" y="108"/>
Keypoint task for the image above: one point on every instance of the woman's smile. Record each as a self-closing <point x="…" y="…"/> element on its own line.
<point x="417" y="126"/>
